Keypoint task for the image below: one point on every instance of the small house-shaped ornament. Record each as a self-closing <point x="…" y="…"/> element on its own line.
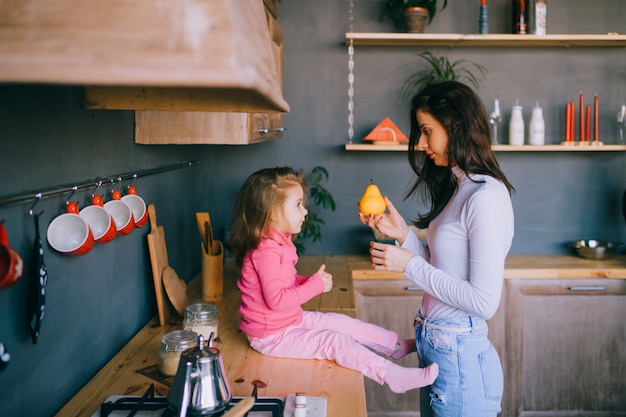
<point x="386" y="133"/>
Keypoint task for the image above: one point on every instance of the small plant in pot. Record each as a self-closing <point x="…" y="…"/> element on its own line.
<point x="411" y="15"/>
<point x="319" y="198"/>
<point x="440" y="68"/>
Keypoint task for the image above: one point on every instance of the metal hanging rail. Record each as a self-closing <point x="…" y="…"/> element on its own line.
<point x="62" y="189"/>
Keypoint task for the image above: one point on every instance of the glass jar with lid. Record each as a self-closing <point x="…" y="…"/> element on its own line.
<point x="202" y="319"/>
<point x="172" y="345"/>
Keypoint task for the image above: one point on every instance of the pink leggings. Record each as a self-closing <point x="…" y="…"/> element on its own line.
<point x="334" y="337"/>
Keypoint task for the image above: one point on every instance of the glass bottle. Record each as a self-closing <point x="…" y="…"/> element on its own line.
<point x="202" y="319"/>
<point x="536" y="127"/>
<point x="516" y="126"/>
<point x="520" y="17"/>
<point x="172" y="345"/>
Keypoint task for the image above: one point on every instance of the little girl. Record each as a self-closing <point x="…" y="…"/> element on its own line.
<point x="268" y="212"/>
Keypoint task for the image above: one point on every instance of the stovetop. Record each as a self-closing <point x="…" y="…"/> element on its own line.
<point x="151" y="406"/>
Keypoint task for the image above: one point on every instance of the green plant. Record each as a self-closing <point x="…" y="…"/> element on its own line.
<point x="440" y="68"/>
<point x="395" y="8"/>
<point x="319" y="197"/>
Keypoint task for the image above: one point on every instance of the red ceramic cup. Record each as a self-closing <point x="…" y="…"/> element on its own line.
<point x="11" y="264"/>
<point x="69" y="233"/>
<point x="121" y="213"/>
<point x="99" y="220"/>
<point x="137" y="206"/>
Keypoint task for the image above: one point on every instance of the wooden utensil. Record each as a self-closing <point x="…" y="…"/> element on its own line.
<point x="242" y="407"/>
<point x="176" y="290"/>
<point x="209" y="238"/>
<point x="201" y="219"/>
<point x="158" y="261"/>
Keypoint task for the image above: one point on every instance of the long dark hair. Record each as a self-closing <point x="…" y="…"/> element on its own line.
<point x="262" y="193"/>
<point x="462" y="114"/>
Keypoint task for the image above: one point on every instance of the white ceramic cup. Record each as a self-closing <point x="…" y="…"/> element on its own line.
<point x="69" y="233"/>
<point x="137" y="206"/>
<point x="101" y="223"/>
<point x="121" y="213"/>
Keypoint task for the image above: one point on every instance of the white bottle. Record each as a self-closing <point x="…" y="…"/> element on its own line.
<point x="537" y="127"/>
<point x="516" y="126"/>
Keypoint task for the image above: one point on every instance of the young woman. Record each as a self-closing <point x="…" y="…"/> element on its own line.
<point x="268" y="212"/>
<point x="470" y="230"/>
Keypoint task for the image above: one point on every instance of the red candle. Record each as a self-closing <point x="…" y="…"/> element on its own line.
<point x="569" y="113"/>
<point x="588" y="124"/>
<point x="596" y="126"/>
<point x="581" y="116"/>
<point x="573" y="111"/>
<point x="567" y="121"/>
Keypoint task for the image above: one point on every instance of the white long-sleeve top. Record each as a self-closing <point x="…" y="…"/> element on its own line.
<point x="462" y="272"/>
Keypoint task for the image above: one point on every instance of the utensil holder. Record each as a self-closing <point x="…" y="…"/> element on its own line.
<point x="213" y="273"/>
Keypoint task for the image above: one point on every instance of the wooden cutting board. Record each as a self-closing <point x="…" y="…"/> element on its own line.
<point x="158" y="261"/>
<point x="176" y="290"/>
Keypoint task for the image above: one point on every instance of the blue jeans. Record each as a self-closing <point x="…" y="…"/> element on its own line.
<point x="470" y="381"/>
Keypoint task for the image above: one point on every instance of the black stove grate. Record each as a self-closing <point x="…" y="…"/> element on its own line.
<point x="274" y="406"/>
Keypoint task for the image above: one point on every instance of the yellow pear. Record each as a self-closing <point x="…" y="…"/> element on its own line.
<point x="372" y="202"/>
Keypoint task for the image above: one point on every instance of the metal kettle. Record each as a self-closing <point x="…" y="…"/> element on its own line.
<point x="200" y="386"/>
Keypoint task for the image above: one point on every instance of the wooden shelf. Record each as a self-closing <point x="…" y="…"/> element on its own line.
<point x="498" y="148"/>
<point x="507" y="40"/>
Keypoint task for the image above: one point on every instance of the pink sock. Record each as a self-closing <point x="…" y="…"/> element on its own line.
<point x="402" y="379"/>
<point x="403" y="348"/>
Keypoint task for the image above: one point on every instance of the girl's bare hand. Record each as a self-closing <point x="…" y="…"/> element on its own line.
<point x="387" y="257"/>
<point x="327" y="277"/>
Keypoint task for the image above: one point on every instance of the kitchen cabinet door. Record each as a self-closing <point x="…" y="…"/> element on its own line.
<point x="389" y="304"/>
<point x="566" y="347"/>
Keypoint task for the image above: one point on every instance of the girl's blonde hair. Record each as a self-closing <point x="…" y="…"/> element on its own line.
<point x="262" y="193"/>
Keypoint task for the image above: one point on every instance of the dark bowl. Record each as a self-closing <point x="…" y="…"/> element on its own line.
<point x="595" y="249"/>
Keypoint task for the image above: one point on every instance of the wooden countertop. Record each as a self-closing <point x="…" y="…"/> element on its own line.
<point x="343" y="388"/>
<point x="519" y="267"/>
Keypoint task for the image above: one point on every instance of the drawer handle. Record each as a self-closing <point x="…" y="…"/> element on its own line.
<point x="413" y="288"/>
<point x="586" y="288"/>
<point x="266" y="130"/>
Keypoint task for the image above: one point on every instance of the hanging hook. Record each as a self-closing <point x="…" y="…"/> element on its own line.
<point x="119" y="182"/>
<point x="37" y="198"/>
<point x="98" y="185"/>
<point x="131" y="181"/>
<point x="67" y="201"/>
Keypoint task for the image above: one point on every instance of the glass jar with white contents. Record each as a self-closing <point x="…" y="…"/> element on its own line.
<point x="172" y="345"/>
<point x="202" y="319"/>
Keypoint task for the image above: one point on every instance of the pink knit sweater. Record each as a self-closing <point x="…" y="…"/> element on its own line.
<point x="272" y="292"/>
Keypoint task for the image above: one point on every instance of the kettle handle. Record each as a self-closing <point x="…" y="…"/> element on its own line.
<point x="186" y="391"/>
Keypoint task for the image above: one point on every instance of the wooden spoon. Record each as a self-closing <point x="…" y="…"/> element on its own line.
<point x="208" y="230"/>
<point x="176" y="290"/>
<point x="241" y="408"/>
<point x="201" y="219"/>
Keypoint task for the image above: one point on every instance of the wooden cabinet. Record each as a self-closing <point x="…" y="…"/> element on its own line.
<point x="145" y="55"/>
<point x="562" y="343"/>
<point x="199" y="127"/>
<point x="388" y="303"/>
<point x="565" y="347"/>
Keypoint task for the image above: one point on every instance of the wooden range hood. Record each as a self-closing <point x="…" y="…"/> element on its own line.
<point x="196" y="55"/>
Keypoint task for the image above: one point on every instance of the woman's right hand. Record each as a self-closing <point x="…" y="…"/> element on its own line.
<point x="391" y="224"/>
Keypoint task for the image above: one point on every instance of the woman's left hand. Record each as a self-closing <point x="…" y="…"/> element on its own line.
<point x="387" y="257"/>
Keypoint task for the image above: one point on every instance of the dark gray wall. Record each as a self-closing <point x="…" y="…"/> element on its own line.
<point x="95" y="303"/>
